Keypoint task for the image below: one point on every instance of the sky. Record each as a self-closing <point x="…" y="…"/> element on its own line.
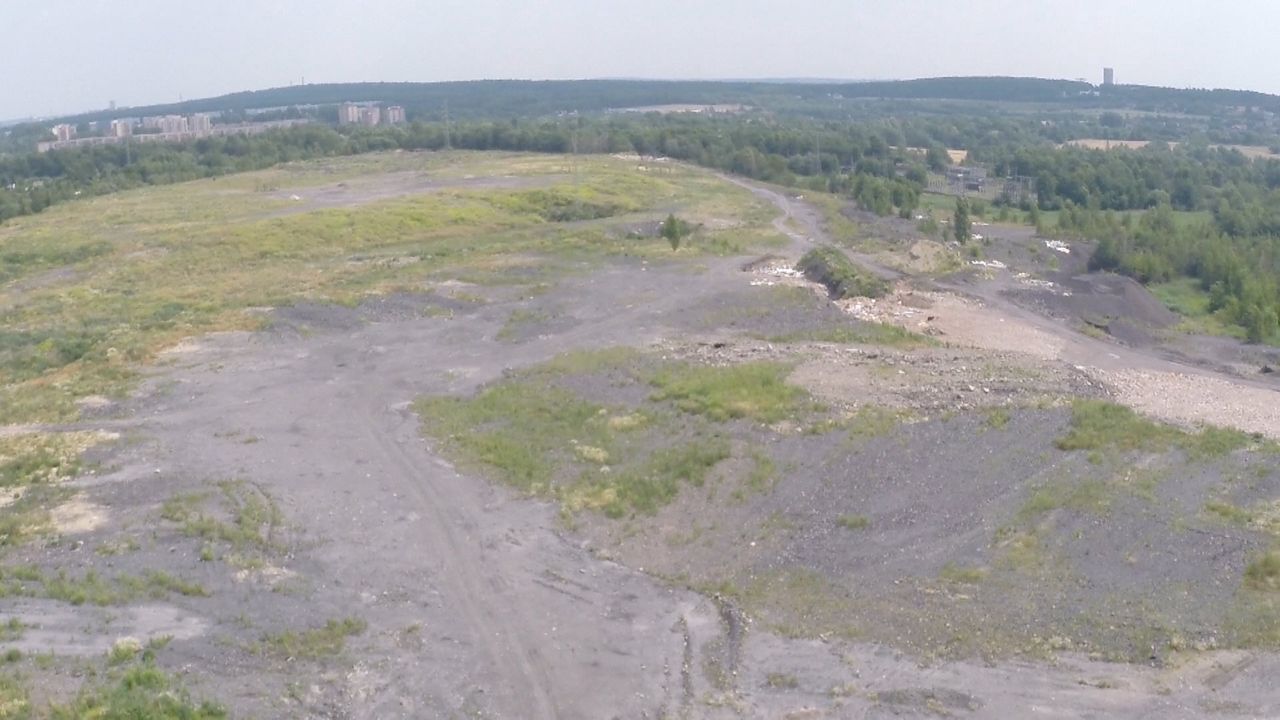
<point x="63" y="56"/>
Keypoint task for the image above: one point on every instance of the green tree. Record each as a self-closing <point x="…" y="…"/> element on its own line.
<point x="963" y="226"/>
<point x="674" y="230"/>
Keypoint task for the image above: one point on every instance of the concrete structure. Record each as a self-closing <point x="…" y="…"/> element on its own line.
<point x="371" y="115"/>
<point x="348" y="114"/>
<point x="167" y="123"/>
<point x="395" y="115"/>
<point x="200" y="124"/>
<point x="1108" y="77"/>
<point x="126" y="128"/>
<point x="64" y="132"/>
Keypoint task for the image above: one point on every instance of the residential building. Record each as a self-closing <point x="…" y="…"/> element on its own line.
<point x="64" y="132"/>
<point x="121" y="128"/>
<point x="395" y="115"/>
<point x="200" y="124"/>
<point x="348" y="114"/>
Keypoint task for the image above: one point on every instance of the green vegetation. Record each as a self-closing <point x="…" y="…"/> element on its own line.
<point x="871" y="421"/>
<point x="140" y="692"/>
<point x="42" y="458"/>
<point x="798" y="603"/>
<point x="1098" y="426"/>
<point x="833" y="269"/>
<point x="246" y="526"/>
<point x="961" y="225"/>
<point x="12" y="630"/>
<point x="91" y="588"/>
<point x="315" y="643"/>
<point x="962" y="575"/>
<point x="674" y="230"/>
<point x="81" y="329"/>
<point x="853" y="522"/>
<point x="755" y="391"/>
<point x="864" y="333"/>
<point x="517" y="321"/>
<point x="1264" y="572"/>
<point x="997" y="418"/>
<point x="536" y="434"/>
<point x="782" y="681"/>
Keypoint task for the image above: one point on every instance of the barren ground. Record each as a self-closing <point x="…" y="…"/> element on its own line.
<point x="479" y="601"/>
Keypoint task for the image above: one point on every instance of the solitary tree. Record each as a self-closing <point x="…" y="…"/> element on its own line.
<point x="963" y="226"/>
<point x="674" y="229"/>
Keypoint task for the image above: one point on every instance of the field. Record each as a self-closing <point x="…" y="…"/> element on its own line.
<point x="99" y="286"/>
<point x="462" y="435"/>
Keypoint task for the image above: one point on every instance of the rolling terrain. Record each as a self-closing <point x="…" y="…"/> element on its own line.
<point x="462" y="435"/>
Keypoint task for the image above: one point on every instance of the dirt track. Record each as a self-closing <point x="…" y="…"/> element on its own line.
<point x="517" y="618"/>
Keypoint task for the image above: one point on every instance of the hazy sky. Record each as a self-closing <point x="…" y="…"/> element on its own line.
<point x="68" y="55"/>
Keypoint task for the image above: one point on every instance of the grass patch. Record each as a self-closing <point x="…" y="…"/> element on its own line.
<point x="764" y="474"/>
<point x="516" y="322"/>
<point x="316" y="643"/>
<point x="1089" y="496"/>
<point x="865" y="333"/>
<point x="1264" y="572"/>
<point x="1101" y="426"/>
<point x="853" y="522"/>
<point x="12" y="630"/>
<point x="43" y="458"/>
<point x="545" y="439"/>
<point x="246" y="525"/>
<point x="756" y="391"/>
<point x="149" y="267"/>
<point x="92" y="588"/>
<point x="782" y="681"/>
<point x="962" y="575"/>
<point x="872" y="421"/>
<point x="139" y="692"/>
<point x="835" y="271"/>
<point x="799" y="604"/>
<point x="997" y="418"/>
<point x="1185" y="297"/>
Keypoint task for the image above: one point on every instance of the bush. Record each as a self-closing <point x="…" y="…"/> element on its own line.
<point x="831" y="268"/>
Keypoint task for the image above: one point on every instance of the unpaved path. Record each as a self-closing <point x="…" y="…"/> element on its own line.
<point x="980" y="316"/>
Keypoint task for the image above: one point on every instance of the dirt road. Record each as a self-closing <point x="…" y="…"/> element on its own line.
<point x="982" y="316"/>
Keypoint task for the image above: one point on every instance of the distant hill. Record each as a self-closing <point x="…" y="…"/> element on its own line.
<point x="535" y="98"/>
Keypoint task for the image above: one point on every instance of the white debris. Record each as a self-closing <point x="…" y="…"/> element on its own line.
<point x="785" y="271"/>
<point x="994" y="264"/>
<point x="1059" y="246"/>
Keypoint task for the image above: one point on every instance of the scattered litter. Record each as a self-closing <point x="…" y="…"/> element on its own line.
<point x="785" y="271"/>
<point x="994" y="264"/>
<point x="295" y="197"/>
<point x="1059" y="246"/>
<point x="1038" y="283"/>
<point x="775" y="271"/>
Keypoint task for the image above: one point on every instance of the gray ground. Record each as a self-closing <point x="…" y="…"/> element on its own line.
<point x="480" y="604"/>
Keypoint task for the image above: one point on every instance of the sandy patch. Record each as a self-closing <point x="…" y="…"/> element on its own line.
<point x="1188" y="400"/>
<point x="78" y="516"/>
<point x="956" y="320"/>
<point x="9" y="496"/>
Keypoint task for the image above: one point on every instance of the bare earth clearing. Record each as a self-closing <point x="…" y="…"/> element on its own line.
<point x="904" y="564"/>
